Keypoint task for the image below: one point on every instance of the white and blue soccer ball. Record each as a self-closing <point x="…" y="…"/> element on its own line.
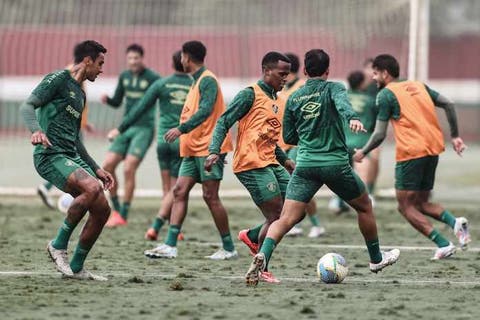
<point x="64" y="202"/>
<point x="332" y="268"/>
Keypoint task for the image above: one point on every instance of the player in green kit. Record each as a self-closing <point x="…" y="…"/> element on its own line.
<point x="364" y="106"/>
<point x="132" y="145"/>
<point x="313" y="121"/>
<point x="53" y="114"/>
<point x="171" y="93"/>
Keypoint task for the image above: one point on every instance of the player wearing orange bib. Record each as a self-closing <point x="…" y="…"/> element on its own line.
<point x="258" y="161"/>
<point x="203" y="107"/>
<point x="410" y="107"/>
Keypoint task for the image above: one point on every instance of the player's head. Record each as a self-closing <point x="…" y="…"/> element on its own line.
<point x="92" y="55"/>
<point x="367" y="69"/>
<point x="177" y="61"/>
<point x="317" y="63"/>
<point x="294" y="62"/>
<point x="275" y="68"/>
<point x="193" y="54"/>
<point x="356" y="80"/>
<point x="385" y="69"/>
<point x="135" y="54"/>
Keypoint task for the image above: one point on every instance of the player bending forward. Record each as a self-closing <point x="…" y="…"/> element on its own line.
<point x="313" y="121"/>
<point x="61" y="158"/>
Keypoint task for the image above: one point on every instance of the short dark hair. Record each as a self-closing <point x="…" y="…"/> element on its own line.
<point x="270" y="60"/>
<point x="387" y="62"/>
<point x="196" y="50"/>
<point x="316" y="62"/>
<point x="367" y="61"/>
<point x="355" y="79"/>
<point x="135" y="47"/>
<point x="294" y="62"/>
<point x="177" y="61"/>
<point x="88" y="48"/>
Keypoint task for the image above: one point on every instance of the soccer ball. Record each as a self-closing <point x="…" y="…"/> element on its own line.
<point x="332" y="268"/>
<point x="64" y="202"/>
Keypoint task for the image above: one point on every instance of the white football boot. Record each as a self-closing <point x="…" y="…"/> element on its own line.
<point x="86" y="275"/>
<point x="444" y="252"/>
<point x="60" y="259"/>
<point x="388" y="258"/>
<point x="253" y="274"/>
<point x="223" y="254"/>
<point x="46" y="198"/>
<point x="295" y="232"/>
<point x="162" y="251"/>
<point x="316" y="232"/>
<point x="461" y="232"/>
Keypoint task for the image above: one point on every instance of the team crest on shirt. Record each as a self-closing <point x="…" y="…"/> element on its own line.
<point x="72" y="94"/>
<point x="143" y="84"/>
<point x="275" y="108"/>
<point x="311" y="110"/>
<point x="271" y="186"/>
<point x="69" y="163"/>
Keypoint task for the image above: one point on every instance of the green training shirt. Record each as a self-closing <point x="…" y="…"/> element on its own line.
<point x="313" y="120"/>
<point x="364" y="106"/>
<point x="237" y="109"/>
<point x="59" y="101"/>
<point x="171" y="93"/>
<point x="133" y="87"/>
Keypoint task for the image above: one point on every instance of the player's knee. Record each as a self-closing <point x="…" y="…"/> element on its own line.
<point x="179" y="192"/>
<point x="210" y="196"/>
<point x="129" y="170"/>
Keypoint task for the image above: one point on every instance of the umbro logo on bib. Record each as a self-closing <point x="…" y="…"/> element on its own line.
<point x="69" y="163"/>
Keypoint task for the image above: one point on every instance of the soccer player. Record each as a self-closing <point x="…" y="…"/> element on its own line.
<point x="53" y="115"/>
<point x="258" y="161"/>
<point x="364" y="106"/>
<point x="293" y="83"/>
<point x="313" y="120"/>
<point x="132" y="145"/>
<point x="410" y="107"/>
<point x="203" y="107"/>
<point x="171" y="93"/>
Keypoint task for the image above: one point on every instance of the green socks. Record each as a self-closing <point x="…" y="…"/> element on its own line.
<point x="124" y="210"/>
<point x="314" y="220"/>
<point x="64" y="232"/>
<point x="448" y="218"/>
<point x="267" y="249"/>
<point x="115" y="203"/>
<point x="439" y="240"/>
<point x="373" y="247"/>
<point x="79" y="257"/>
<point x="253" y="233"/>
<point x="172" y="235"/>
<point x="228" y="242"/>
<point x="48" y="185"/>
<point x="157" y="224"/>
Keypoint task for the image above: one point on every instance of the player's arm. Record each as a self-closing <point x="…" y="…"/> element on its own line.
<point x="289" y="130"/>
<point x="104" y="176"/>
<point x="448" y="106"/>
<point x="344" y="107"/>
<point x="117" y="98"/>
<point x="236" y="110"/>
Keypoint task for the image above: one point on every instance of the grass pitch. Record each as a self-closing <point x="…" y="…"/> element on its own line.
<point x="191" y="287"/>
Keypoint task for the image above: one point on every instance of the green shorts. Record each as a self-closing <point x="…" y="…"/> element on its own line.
<point x="56" y="168"/>
<point x="168" y="155"/>
<point x="417" y="174"/>
<point x="292" y="153"/>
<point x="134" y="141"/>
<point x="264" y="184"/>
<point x="194" y="167"/>
<point x="341" y="179"/>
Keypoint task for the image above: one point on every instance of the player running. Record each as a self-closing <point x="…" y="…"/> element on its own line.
<point x="53" y="114"/>
<point x="258" y="162"/>
<point x="410" y="107"/>
<point x="203" y="107"/>
<point x="170" y="93"/>
<point x="313" y="120"/>
<point x="132" y="145"/>
<point x="292" y="84"/>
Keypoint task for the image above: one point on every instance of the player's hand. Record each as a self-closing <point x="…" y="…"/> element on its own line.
<point x="171" y="135"/>
<point x="38" y="137"/>
<point x="106" y="178"/>
<point x="104" y="98"/>
<point x="356" y="126"/>
<point x="210" y="161"/>
<point x="90" y="128"/>
<point x="458" y="145"/>
<point x="289" y="165"/>
<point x="358" y="155"/>
<point x="112" y="134"/>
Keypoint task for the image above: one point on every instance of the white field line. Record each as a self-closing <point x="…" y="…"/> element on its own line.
<point x="349" y="280"/>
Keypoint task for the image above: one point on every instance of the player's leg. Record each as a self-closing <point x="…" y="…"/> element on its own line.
<point x="43" y="191"/>
<point x="112" y="160"/>
<point x="316" y="230"/>
<point x="373" y="169"/>
<point x="347" y="184"/>
<point x="163" y="214"/>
